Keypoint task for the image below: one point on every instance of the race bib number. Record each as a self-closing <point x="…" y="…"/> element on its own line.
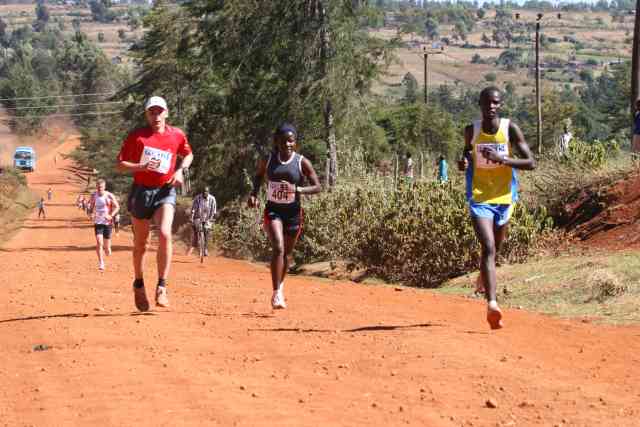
<point x="281" y="192"/>
<point x="484" y="163"/>
<point x="164" y="158"/>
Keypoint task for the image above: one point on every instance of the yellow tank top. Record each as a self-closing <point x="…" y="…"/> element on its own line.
<point x="491" y="182"/>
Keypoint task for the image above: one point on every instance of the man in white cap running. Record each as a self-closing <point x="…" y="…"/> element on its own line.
<point x="151" y="154"/>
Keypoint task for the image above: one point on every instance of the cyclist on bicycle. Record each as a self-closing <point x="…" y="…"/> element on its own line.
<point x="203" y="210"/>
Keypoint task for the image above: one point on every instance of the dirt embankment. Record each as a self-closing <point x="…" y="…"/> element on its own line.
<point x="606" y="216"/>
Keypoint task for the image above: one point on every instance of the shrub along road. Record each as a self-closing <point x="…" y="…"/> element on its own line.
<point x="75" y="352"/>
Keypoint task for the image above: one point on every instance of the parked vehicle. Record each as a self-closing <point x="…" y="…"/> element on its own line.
<point x="24" y="158"/>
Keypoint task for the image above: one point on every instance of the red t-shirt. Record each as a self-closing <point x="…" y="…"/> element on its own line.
<point x="144" y="144"/>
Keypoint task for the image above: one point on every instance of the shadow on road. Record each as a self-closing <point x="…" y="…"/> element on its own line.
<point x="114" y="248"/>
<point x="375" y="328"/>
<point x="77" y="315"/>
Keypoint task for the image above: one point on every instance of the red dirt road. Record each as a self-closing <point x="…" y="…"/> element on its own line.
<point x="343" y="354"/>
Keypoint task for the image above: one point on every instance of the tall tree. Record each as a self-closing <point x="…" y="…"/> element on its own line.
<point x="246" y="66"/>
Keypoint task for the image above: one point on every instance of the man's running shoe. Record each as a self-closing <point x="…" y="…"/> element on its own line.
<point x="162" y="299"/>
<point x="277" y="300"/>
<point x="140" y="297"/>
<point x="101" y="266"/>
<point x="494" y="315"/>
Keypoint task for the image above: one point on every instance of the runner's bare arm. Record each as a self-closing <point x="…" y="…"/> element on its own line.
<point x="261" y="171"/>
<point x="125" y="166"/>
<point x="463" y="162"/>
<point x="178" y="177"/>
<point x="526" y="160"/>
<point x="115" y="206"/>
<point x="309" y="172"/>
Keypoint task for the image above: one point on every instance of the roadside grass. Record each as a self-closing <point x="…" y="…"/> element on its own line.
<point x="16" y="201"/>
<point x="601" y="286"/>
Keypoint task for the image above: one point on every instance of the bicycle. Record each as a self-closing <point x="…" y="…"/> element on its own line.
<point x="201" y="227"/>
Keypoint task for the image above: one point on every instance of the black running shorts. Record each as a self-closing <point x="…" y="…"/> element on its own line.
<point x="103" y="229"/>
<point x="292" y="219"/>
<point x="144" y="201"/>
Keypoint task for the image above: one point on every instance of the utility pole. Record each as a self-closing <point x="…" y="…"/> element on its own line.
<point x="425" y="54"/>
<point x="635" y="58"/>
<point x="538" y="95"/>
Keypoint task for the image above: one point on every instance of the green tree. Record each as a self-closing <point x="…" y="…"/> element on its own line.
<point x="586" y="75"/>
<point x="490" y="77"/>
<point x="510" y="59"/>
<point x="411" y="87"/>
<point x="555" y="112"/>
<point x="42" y="16"/>
<point x="460" y="30"/>
<point x="3" y="33"/>
<point x="431" y="28"/>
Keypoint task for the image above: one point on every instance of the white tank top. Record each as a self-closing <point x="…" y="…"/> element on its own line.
<point x="102" y="207"/>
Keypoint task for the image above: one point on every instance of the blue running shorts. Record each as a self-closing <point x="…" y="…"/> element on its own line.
<point x="500" y="214"/>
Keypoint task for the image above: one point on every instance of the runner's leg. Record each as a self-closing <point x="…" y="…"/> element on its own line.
<point x="140" y="237"/>
<point x="107" y="246"/>
<point x="499" y="234"/>
<point x="275" y="233"/>
<point x="163" y="216"/>
<point x="484" y="228"/>
<point x="99" y="251"/>
<point x="289" y="244"/>
<point x="484" y="231"/>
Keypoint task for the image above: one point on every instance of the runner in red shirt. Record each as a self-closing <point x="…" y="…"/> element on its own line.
<point x="151" y="154"/>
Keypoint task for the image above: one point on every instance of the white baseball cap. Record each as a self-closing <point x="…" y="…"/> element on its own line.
<point x="156" y="101"/>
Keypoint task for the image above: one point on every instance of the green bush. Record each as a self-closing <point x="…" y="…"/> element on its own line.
<point x="591" y="154"/>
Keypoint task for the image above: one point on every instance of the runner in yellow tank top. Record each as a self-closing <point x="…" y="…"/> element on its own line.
<point x="492" y="186"/>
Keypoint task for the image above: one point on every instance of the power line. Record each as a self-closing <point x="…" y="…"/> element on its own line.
<point x="104" y="113"/>
<point x="61" y="105"/>
<point x="59" y="96"/>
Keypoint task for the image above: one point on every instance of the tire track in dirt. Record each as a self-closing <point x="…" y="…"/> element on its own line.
<point x="342" y="354"/>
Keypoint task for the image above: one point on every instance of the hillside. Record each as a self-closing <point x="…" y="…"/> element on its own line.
<point x="601" y="43"/>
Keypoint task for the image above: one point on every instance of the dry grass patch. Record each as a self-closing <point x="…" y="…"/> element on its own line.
<point x="580" y="283"/>
<point x="604" y="285"/>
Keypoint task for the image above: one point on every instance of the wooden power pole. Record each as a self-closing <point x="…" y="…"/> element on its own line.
<point x="635" y="64"/>
<point x="425" y="54"/>
<point x="538" y="95"/>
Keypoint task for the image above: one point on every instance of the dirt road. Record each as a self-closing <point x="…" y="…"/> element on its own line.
<point x="74" y="352"/>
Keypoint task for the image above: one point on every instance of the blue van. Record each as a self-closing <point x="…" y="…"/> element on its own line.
<point x="25" y="158"/>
